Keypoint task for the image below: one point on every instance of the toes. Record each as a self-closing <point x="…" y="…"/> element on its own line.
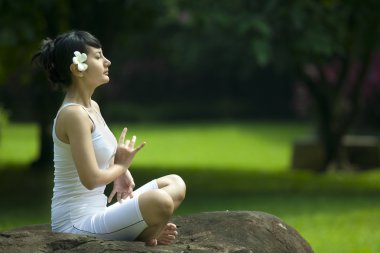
<point x="171" y="226"/>
<point x="172" y="233"/>
<point x="171" y="237"/>
<point x="169" y="232"/>
<point x="168" y="235"/>
<point x="167" y="240"/>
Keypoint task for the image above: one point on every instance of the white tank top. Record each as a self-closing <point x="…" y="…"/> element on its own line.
<point x="72" y="202"/>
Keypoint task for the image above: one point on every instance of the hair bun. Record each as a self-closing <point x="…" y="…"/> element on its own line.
<point x="47" y="53"/>
<point x="46" y="59"/>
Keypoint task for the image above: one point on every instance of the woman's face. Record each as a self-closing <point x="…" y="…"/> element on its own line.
<point x="98" y="65"/>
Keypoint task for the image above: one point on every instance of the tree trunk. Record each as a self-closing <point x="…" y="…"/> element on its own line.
<point x="329" y="123"/>
<point x="335" y="156"/>
<point x="46" y="100"/>
<point x="328" y="132"/>
<point x="46" y="104"/>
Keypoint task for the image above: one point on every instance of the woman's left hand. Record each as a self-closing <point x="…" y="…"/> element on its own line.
<point x="122" y="187"/>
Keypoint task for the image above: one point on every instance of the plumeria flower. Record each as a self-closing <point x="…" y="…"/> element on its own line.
<point x="80" y="59"/>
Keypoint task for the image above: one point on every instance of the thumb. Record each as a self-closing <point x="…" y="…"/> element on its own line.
<point x="139" y="147"/>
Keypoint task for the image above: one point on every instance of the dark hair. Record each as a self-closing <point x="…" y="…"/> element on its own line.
<point x="55" y="56"/>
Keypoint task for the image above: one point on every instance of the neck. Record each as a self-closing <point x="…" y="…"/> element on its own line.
<point x="78" y="94"/>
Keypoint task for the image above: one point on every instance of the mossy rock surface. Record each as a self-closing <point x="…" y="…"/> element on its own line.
<point x="243" y="231"/>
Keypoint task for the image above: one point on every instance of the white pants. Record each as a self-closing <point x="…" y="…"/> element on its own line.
<point x="120" y="221"/>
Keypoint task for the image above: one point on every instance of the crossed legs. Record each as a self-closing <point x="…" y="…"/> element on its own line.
<point x="157" y="207"/>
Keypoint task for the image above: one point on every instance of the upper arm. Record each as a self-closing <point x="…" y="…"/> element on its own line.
<point x="77" y="126"/>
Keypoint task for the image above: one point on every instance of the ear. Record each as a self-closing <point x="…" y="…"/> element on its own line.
<point x="74" y="70"/>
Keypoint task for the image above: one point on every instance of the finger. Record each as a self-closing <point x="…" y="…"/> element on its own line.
<point x="119" y="197"/>
<point x="130" y="193"/>
<point x="133" y="141"/>
<point x="110" y="197"/>
<point x="122" y="135"/>
<point x="125" y="195"/>
<point x="139" y="147"/>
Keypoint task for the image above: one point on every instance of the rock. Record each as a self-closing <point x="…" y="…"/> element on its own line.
<point x="232" y="232"/>
<point x="363" y="152"/>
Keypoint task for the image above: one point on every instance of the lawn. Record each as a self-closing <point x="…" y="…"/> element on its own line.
<point x="234" y="166"/>
<point x="218" y="145"/>
<point x="213" y="145"/>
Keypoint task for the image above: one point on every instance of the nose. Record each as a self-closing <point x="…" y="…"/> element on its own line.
<point x="107" y="62"/>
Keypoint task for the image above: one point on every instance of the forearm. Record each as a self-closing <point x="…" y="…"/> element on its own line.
<point x="104" y="177"/>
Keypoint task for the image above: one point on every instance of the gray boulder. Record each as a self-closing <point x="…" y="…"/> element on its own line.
<point x="232" y="232"/>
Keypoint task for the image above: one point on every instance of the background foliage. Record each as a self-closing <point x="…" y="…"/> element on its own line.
<point x="227" y="64"/>
<point x="175" y="60"/>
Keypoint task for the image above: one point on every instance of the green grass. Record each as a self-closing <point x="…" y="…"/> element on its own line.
<point x="229" y="166"/>
<point x="18" y="144"/>
<point x="216" y="145"/>
<point x="213" y="145"/>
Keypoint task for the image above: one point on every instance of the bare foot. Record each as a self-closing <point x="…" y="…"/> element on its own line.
<point x="152" y="242"/>
<point x="168" y="234"/>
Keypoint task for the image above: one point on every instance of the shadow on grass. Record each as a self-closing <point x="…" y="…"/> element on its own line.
<point x="25" y="194"/>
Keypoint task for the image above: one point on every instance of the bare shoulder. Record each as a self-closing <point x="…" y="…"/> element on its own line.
<point x="73" y="114"/>
<point x="72" y="120"/>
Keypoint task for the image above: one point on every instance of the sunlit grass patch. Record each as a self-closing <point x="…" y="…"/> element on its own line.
<point x="216" y="145"/>
<point x="18" y="143"/>
<point x="233" y="145"/>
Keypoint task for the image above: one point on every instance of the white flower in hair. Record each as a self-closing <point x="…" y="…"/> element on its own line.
<point x="80" y="59"/>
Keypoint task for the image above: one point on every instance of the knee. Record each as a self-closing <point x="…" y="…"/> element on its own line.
<point x="162" y="203"/>
<point x="156" y="206"/>
<point x="180" y="185"/>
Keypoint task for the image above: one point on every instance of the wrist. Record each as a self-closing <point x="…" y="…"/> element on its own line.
<point x="123" y="168"/>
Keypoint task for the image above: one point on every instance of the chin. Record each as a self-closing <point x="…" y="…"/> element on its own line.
<point x="107" y="80"/>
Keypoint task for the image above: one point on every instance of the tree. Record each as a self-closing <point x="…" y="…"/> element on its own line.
<point x="23" y="26"/>
<point x="26" y="23"/>
<point x="333" y="50"/>
<point x="326" y="45"/>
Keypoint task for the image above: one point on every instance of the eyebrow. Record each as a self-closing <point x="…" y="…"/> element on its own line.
<point x="98" y="51"/>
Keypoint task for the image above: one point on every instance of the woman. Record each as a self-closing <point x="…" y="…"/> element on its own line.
<point x="87" y="156"/>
